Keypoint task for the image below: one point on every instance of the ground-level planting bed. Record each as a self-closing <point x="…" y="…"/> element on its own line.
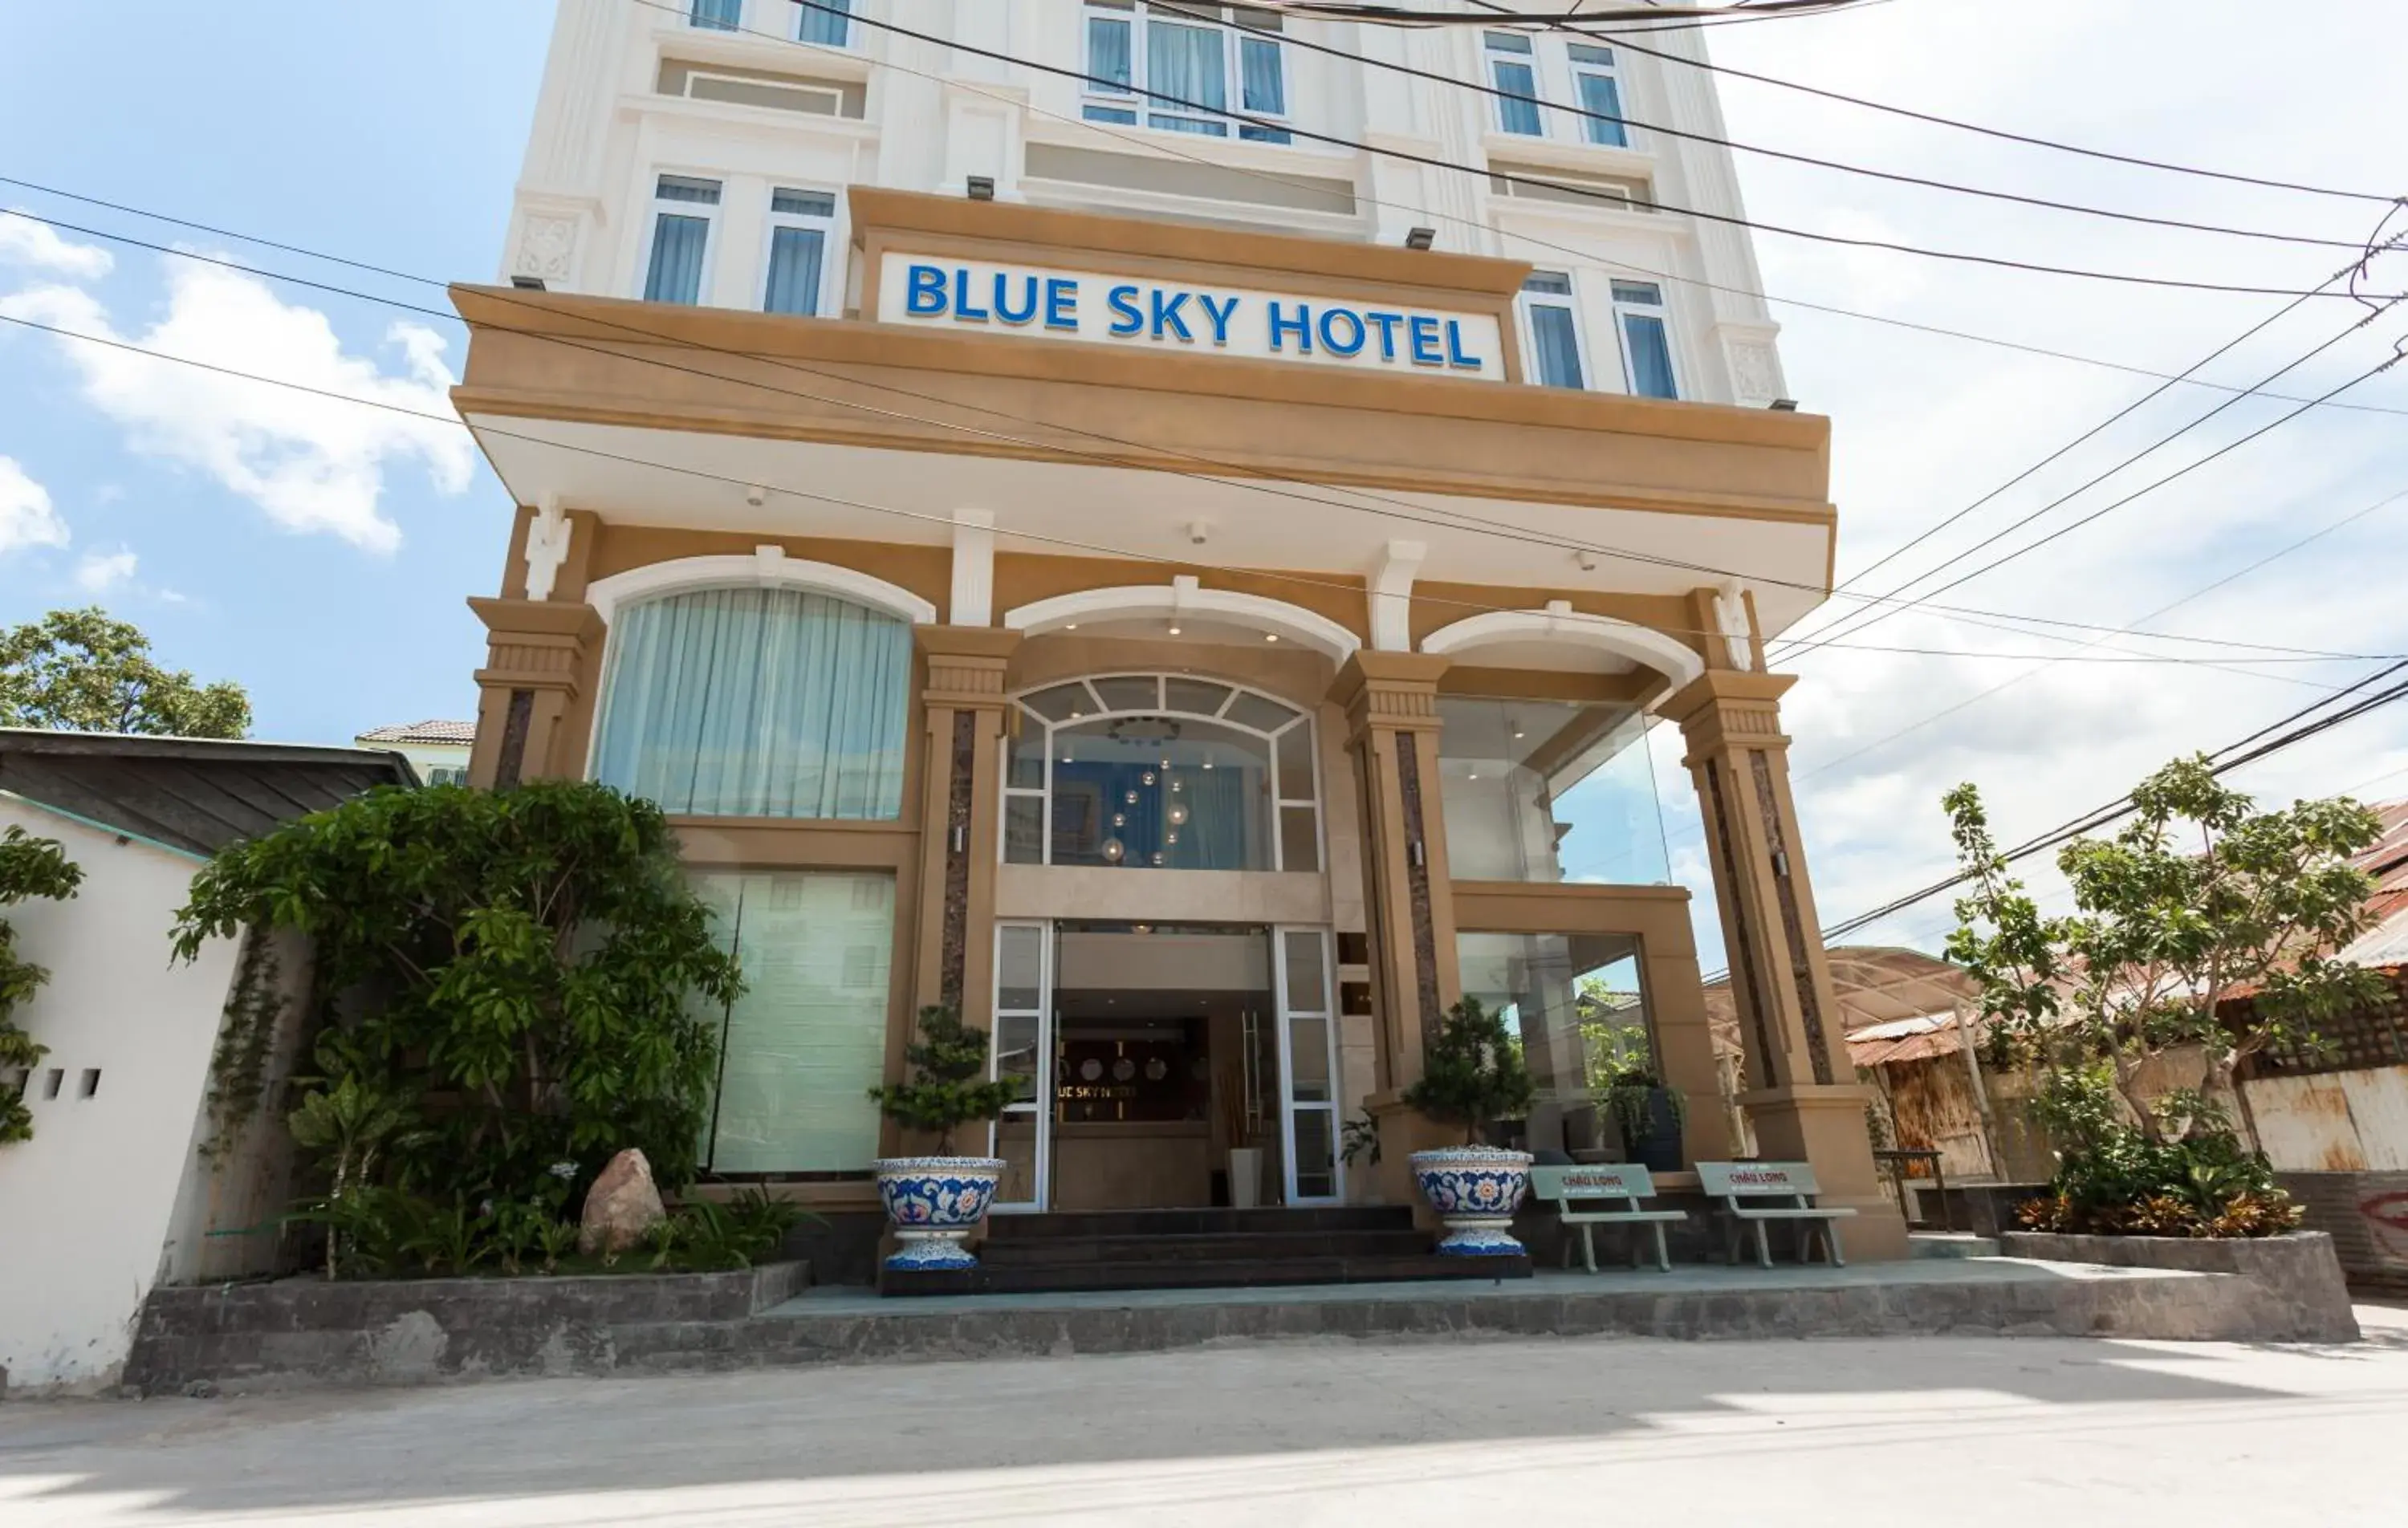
<point x="410" y="1331"/>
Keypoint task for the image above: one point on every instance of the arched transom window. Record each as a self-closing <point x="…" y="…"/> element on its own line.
<point x="1165" y="772"/>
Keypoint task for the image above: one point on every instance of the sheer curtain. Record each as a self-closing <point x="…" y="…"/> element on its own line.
<point x="1517" y="108"/>
<point x="1651" y="356"/>
<point x="757" y="702"/>
<point x="1185" y="63"/>
<point x="1558" y="346"/>
<point x="1266" y="86"/>
<point x="832" y="26"/>
<point x="795" y="271"/>
<point x="1601" y="95"/>
<point x="1108" y="51"/>
<point x="719" y="15"/>
<point x="679" y="243"/>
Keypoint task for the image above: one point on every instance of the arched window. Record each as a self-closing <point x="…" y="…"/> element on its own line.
<point x="1161" y="772"/>
<point x="765" y="702"/>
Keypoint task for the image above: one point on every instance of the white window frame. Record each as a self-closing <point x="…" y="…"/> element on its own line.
<point x="1491" y="55"/>
<point x="1240" y="119"/>
<point x="708" y="211"/>
<point x="831" y="244"/>
<point x="1584" y="128"/>
<point x="1569" y="301"/>
<point x="1661" y="310"/>
<point x="804" y="15"/>
<point x="694" y="18"/>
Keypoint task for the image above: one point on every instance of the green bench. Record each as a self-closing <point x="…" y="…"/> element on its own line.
<point x="1749" y="1191"/>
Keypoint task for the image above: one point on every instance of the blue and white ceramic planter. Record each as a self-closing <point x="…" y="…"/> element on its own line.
<point x="1475" y="1191"/>
<point x="933" y="1203"/>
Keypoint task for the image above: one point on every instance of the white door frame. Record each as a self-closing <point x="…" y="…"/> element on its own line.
<point x="1289" y="1106"/>
<point x="1041" y="1108"/>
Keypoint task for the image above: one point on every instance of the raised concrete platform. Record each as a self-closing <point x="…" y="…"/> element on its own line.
<point x="248" y="1347"/>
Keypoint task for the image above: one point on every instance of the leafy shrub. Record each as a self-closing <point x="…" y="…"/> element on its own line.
<point x="945" y="1092"/>
<point x="1473" y="1073"/>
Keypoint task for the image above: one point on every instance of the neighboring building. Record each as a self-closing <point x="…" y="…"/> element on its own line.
<point x="113" y="1187"/>
<point x="1073" y="555"/>
<point x="438" y="750"/>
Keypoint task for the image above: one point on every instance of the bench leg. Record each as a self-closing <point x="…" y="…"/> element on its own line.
<point x="1831" y="1241"/>
<point x="1589" y="1248"/>
<point x="1763" y="1249"/>
<point x="1663" y="1258"/>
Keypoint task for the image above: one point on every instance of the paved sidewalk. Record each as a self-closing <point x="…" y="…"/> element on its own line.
<point x="1965" y="1432"/>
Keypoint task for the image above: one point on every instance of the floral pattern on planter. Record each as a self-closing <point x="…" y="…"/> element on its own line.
<point x="1475" y="1191"/>
<point x="933" y="1203"/>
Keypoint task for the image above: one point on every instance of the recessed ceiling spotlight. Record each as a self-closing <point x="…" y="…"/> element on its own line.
<point x="1071" y="626"/>
<point x="1270" y="636"/>
<point x="1174" y="631"/>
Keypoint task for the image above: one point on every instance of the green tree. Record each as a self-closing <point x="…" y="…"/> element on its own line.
<point x="29" y="867"/>
<point x="528" y="968"/>
<point x="1472" y="1072"/>
<point x="82" y="671"/>
<point x="947" y="1091"/>
<point x="2200" y="899"/>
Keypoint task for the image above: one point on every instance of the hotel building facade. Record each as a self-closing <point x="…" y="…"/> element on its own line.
<point x="1165" y="526"/>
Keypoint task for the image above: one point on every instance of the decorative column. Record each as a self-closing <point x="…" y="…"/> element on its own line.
<point x="1804" y="1100"/>
<point x="961" y="805"/>
<point x="1391" y="705"/>
<point x="539" y="669"/>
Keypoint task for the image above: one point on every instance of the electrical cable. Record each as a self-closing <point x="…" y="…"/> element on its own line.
<point x="1403" y="511"/>
<point x="1492" y="174"/>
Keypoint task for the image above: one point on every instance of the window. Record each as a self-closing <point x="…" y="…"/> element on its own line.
<point x="800" y="1050"/>
<point x="683" y="211"/>
<point x="1646" y="343"/>
<point x="1578" y="1006"/>
<point x="800" y="226"/>
<point x="1599" y="91"/>
<point x="1549" y="791"/>
<point x="1148" y="772"/>
<point x="717" y="15"/>
<point x="756" y="703"/>
<point x="439" y="774"/>
<point x="1513" y="70"/>
<point x="828" y="22"/>
<point x="1555" y="330"/>
<point x="1199" y="58"/>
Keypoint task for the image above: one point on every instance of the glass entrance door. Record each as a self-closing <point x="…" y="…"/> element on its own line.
<point x="1024" y="1053"/>
<point x="1308" y="1058"/>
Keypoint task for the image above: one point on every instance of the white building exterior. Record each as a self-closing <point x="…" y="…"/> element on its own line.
<point x="719" y="115"/>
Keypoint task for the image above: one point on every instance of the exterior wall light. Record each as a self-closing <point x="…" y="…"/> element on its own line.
<point x="1784" y="406"/>
<point x="1420" y="238"/>
<point x="982" y="187"/>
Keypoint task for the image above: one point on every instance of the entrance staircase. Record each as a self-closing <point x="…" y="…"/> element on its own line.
<point x="1199" y="1249"/>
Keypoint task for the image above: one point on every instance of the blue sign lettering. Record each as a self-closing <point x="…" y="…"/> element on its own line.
<point x="1166" y="315"/>
<point x="1003" y="308"/>
<point x="962" y="308"/>
<point x="926" y="295"/>
<point x="1300" y="326"/>
<point x="1387" y="325"/>
<point x="1454" y="352"/>
<point x="1123" y="301"/>
<point x="1353" y="344"/>
<point x="1062" y="304"/>
<point x="1220" y="316"/>
<point x="1421" y="329"/>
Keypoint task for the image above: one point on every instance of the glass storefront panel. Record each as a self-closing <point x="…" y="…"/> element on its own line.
<point x="1577" y="1003"/>
<point x="801" y="1049"/>
<point x="1550" y="791"/>
<point x="1161" y="792"/>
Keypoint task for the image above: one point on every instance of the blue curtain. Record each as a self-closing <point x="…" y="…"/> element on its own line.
<point x="757" y="702"/>
<point x="718" y="15"/>
<point x="1518" y="107"/>
<point x="1558" y="346"/>
<point x="795" y="271"/>
<point x="1266" y="86"/>
<point x="677" y="246"/>
<point x="1108" y="51"/>
<point x="1651" y="356"/>
<point x="1187" y="63"/>
<point x="828" y="26"/>
<point x="1599" y="94"/>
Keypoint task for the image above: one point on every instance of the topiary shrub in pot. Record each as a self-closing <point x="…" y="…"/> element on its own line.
<point x="1649" y="1115"/>
<point x="1473" y="1073"/>
<point x="935" y="1201"/>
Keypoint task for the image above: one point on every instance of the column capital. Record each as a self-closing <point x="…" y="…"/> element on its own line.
<point x="535" y="644"/>
<point x="966" y="664"/>
<point x="1724" y="708"/>
<point x="1394" y="690"/>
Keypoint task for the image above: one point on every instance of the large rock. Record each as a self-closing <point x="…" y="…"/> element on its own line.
<point x="622" y="1206"/>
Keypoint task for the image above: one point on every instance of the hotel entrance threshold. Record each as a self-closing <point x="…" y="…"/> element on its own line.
<point x="1201" y="1248"/>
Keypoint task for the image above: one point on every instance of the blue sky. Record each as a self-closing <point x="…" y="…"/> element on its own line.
<point x="321" y="556"/>
<point x="389" y="133"/>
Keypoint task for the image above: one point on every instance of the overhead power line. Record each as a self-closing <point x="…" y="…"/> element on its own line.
<point x="1492" y="174"/>
<point x="1245" y="480"/>
<point x="1582" y="19"/>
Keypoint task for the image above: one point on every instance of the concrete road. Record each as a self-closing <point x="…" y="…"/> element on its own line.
<point x="1598" y="1434"/>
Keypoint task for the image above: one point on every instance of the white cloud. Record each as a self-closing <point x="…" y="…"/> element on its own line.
<point x="314" y="463"/>
<point x="26" y="242"/>
<point x="100" y="572"/>
<point x="27" y="517"/>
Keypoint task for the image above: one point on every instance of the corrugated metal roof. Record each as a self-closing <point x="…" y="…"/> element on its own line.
<point x="423" y="732"/>
<point x="189" y="794"/>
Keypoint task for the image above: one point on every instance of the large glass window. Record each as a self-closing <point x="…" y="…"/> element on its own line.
<point x="799" y="226"/>
<point x="1172" y="772"/>
<point x="1183" y="66"/>
<point x="683" y="211"/>
<point x="1555" y="330"/>
<point x="1513" y="68"/>
<point x="1600" y="94"/>
<point x="756" y="703"/>
<point x="1577" y="1003"/>
<point x="1646" y="343"/>
<point x="800" y="1050"/>
<point x="1549" y="791"/>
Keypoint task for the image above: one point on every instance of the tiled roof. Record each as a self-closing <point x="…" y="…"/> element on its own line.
<point x="463" y="733"/>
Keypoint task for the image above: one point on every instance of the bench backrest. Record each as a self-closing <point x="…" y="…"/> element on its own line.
<point x="1745" y="1179"/>
<point x="1593" y="1181"/>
